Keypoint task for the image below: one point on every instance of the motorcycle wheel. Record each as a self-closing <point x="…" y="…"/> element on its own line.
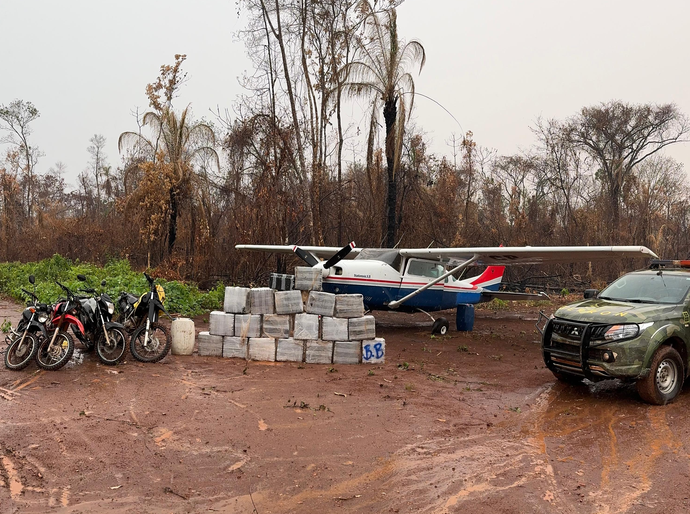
<point x="19" y="353"/>
<point x="111" y="354"/>
<point x="156" y="348"/>
<point x="56" y="357"/>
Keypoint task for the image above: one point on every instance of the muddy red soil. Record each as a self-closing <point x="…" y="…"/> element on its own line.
<point x="470" y="422"/>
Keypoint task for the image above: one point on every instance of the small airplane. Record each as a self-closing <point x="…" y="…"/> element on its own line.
<point x="422" y="279"/>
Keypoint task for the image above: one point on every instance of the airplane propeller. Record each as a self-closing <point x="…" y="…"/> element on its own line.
<point x="311" y="260"/>
<point x="305" y="256"/>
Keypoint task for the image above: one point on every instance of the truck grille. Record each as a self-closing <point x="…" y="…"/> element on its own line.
<point x="565" y="347"/>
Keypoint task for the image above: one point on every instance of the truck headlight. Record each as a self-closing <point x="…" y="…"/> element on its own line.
<point x="618" y="332"/>
<point x="628" y="331"/>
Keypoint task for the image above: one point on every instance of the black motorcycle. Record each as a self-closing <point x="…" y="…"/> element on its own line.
<point x="150" y="341"/>
<point x="96" y="314"/>
<point x="23" y="341"/>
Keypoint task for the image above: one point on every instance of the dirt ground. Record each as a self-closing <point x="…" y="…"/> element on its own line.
<point x="470" y="422"/>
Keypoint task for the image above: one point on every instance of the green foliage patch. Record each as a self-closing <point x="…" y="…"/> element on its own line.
<point x="180" y="298"/>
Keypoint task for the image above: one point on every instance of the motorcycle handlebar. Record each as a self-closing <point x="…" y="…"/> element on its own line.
<point x="66" y="289"/>
<point x="30" y="293"/>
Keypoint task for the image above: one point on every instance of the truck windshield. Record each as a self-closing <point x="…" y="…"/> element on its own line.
<point x="648" y="288"/>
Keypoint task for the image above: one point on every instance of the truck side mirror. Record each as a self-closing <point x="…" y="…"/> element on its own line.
<point x="590" y="293"/>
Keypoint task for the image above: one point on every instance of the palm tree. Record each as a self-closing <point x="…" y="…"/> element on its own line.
<point x="383" y="72"/>
<point x="176" y="142"/>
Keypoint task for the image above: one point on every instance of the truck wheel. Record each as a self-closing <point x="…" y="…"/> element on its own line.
<point x="665" y="379"/>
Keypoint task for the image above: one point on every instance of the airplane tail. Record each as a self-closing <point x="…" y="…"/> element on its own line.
<point x="490" y="279"/>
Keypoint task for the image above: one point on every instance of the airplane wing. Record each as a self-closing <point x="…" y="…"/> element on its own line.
<point x="323" y="252"/>
<point x="530" y="254"/>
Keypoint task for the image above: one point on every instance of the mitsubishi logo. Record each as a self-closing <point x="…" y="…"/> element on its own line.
<point x="576" y="331"/>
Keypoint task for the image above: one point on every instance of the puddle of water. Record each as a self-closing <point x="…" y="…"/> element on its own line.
<point x="15" y="484"/>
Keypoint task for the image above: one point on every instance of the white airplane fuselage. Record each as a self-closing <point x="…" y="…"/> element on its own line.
<point x="380" y="283"/>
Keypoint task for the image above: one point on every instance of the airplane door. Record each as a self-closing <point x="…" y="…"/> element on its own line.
<point x="419" y="272"/>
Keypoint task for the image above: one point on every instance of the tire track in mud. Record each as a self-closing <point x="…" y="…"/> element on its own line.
<point x="443" y="475"/>
<point x="569" y="454"/>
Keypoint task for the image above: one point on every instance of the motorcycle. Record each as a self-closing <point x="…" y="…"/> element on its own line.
<point x="150" y="341"/>
<point x="108" y="337"/>
<point x="24" y="341"/>
<point x="57" y="348"/>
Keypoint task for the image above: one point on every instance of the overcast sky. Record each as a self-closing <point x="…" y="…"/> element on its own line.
<point x="496" y="65"/>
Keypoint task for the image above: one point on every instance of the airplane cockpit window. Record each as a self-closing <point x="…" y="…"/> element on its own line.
<point x="425" y="268"/>
<point x="386" y="255"/>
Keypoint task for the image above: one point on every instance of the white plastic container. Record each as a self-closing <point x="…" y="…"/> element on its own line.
<point x="182" y="330"/>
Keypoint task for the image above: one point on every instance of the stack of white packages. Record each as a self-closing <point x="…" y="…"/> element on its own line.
<point x="267" y="325"/>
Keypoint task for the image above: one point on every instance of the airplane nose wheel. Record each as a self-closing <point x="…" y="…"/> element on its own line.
<point x="440" y="327"/>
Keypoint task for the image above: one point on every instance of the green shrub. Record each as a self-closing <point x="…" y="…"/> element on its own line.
<point x="182" y="298"/>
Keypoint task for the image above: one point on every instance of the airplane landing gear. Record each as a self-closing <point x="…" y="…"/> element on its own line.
<point x="440" y="326"/>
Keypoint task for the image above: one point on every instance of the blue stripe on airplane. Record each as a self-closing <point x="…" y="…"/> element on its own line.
<point x="378" y="297"/>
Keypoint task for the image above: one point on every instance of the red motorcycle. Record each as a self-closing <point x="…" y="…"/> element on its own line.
<point x="57" y="348"/>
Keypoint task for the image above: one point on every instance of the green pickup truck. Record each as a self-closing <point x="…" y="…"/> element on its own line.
<point x="638" y="328"/>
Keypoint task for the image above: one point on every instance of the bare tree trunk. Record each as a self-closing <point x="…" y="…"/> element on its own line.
<point x="389" y="114"/>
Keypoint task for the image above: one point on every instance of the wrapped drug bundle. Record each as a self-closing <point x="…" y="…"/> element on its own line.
<point x="261" y="299"/>
<point x="289" y="302"/>
<point x="308" y="279"/>
<point x="362" y="328"/>
<point x="306" y="326"/>
<point x="346" y="352"/>
<point x="234" y="347"/>
<point x="248" y="325"/>
<point x="321" y="303"/>
<point x="290" y="350"/>
<point x="210" y="345"/>
<point x="276" y="326"/>
<point x="333" y="329"/>
<point x="236" y="300"/>
<point x="221" y="323"/>
<point x="319" y="352"/>
<point x="262" y="349"/>
<point x="349" y="306"/>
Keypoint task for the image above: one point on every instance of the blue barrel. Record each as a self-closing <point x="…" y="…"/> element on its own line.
<point x="464" y="319"/>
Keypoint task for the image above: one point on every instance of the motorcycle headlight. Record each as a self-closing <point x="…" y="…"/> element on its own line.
<point x="628" y="331"/>
<point x="42" y="318"/>
<point x="111" y="307"/>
